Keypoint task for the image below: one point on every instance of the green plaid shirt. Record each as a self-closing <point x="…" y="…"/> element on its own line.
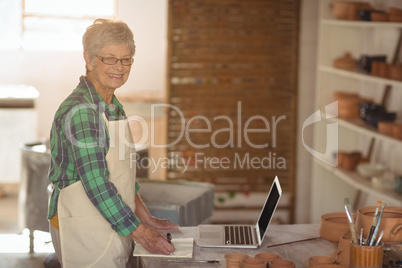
<point x="78" y="121"/>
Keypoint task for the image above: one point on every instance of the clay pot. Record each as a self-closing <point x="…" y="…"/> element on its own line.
<point x="385" y="128"/>
<point x="364" y="256"/>
<point x="395" y="71"/>
<point x="333" y="226"/>
<point x="375" y="68"/>
<point x="319" y="260"/>
<point x="341" y="157"/>
<point x="337" y="95"/>
<point x="397" y="131"/>
<point x="395" y="17"/>
<point x="395" y="14"/>
<point x="348" y="10"/>
<point x="346" y="62"/>
<point x="348" y="104"/>
<point x="253" y="263"/>
<point x="391" y="223"/>
<point x="395" y="11"/>
<point x="351" y="160"/>
<point x="383" y="69"/>
<point x="268" y="257"/>
<point x="281" y="264"/>
<point x="342" y="255"/>
<point x="233" y="259"/>
<point x="379" y="16"/>
<point x="349" y="108"/>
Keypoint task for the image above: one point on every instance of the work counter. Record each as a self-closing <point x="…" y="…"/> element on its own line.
<point x="280" y="239"/>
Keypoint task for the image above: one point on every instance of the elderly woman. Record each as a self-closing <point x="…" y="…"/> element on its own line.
<point x="95" y="211"/>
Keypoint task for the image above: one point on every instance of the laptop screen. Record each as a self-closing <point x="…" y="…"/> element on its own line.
<point x="269" y="207"/>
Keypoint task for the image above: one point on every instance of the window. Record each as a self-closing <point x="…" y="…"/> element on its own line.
<point x="49" y="24"/>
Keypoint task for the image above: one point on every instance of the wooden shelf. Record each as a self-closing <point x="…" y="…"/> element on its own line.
<point x="363" y="24"/>
<point x="361" y="127"/>
<point x="357" y="37"/>
<point x="363" y="184"/>
<point x="359" y="76"/>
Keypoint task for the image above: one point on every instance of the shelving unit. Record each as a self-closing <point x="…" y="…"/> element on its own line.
<point x="330" y="185"/>
<point x="363" y="184"/>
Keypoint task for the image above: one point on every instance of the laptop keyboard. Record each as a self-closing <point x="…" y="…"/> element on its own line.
<point x="238" y="235"/>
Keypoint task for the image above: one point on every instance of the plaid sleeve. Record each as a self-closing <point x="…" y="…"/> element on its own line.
<point x="88" y="137"/>
<point x="137" y="187"/>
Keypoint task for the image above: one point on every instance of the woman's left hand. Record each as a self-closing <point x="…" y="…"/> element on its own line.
<point x="161" y="224"/>
<point x="147" y="219"/>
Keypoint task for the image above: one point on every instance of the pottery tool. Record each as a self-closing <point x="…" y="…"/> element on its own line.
<point x="193" y="261"/>
<point x="373" y="225"/>
<point x="371" y="242"/>
<point x="361" y="237"/>
<point x="379" y="238"/>
<point x="352" y="228"/>
<point x="292" y="242"/>
<point x="169" y="238"/>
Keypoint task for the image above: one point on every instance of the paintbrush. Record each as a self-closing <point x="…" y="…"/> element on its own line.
<point x="377" y="227"/>
<point x="373" y="225"/>
<point x="379" y="238"/>
<point x="352" y="228"/>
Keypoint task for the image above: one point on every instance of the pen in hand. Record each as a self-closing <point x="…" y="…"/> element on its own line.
<point x="169" y="238"/>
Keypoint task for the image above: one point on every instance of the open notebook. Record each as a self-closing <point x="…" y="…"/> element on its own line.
<point x="183" y="246"/>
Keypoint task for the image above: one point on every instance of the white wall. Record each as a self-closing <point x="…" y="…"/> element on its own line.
<point x="307" y="68"/>
<point x="55" y="73"/>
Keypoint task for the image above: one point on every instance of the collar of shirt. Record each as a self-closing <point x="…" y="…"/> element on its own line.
<point x="112" y="113"/>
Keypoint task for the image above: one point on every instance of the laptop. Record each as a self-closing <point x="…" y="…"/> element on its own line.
<point x="242" y="236"/>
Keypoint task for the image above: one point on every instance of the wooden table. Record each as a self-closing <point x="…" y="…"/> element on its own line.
<point x="298" y="252"/>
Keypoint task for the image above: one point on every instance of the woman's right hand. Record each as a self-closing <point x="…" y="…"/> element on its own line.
<point x="152" y="240"/>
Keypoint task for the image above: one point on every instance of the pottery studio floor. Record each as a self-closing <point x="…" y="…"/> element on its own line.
<point x="14" y="243"/>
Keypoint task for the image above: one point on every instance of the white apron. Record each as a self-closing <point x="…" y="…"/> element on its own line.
<point x="86" y="237"/>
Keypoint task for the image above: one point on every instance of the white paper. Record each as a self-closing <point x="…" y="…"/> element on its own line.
<point x="184" y="249"/>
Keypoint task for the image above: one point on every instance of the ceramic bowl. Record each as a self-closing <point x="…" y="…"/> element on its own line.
<point x="340" y="10"/>
<point x="386" y="181"/>
<point x="267" y="256"/>
<point x="385" y="127"/>
<point x="348" y="108"/>
<point x="391" y="223"/>
<point x="395" y="17"/>
<point x="337" y="95"/>
<point x="281" y="264"/>
<point x="379" y="16"/>
<point x="397" y="131"/>
<point x="395" y="71"/>
<point x="333" y="226"/>
<point x="383" y="69"/>
<point x="253" y="263"/>
<point x="318" y="260"/>
<point x="369" y="170"/>
<point x="349" y="161"/>
<point x="395" y="11"/>
<point x="346" y="62"/>
<point x="348" y="10"/>
<point x="233" y="259"/>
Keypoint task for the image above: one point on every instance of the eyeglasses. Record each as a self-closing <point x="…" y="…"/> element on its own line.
<point x="113" y="60"/>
